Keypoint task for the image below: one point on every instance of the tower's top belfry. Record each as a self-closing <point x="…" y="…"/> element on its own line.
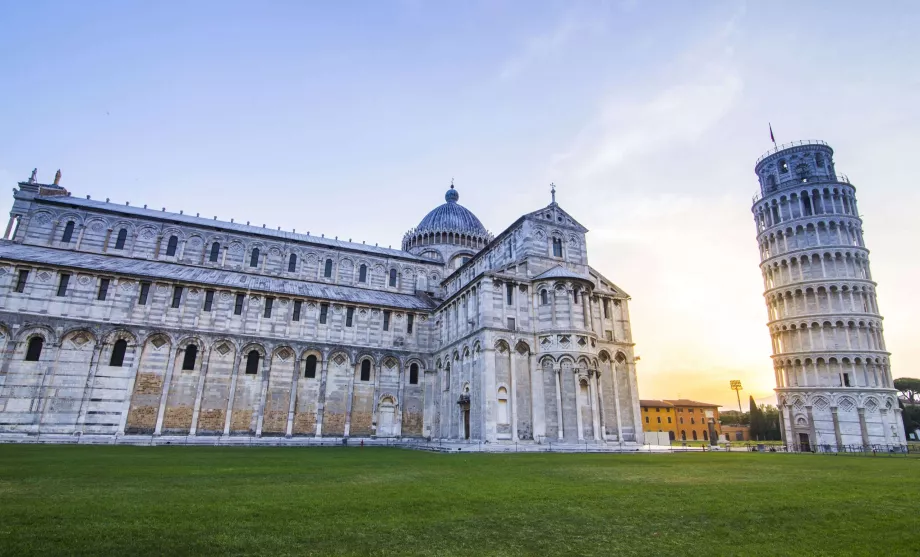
<point x="793" y="164"/>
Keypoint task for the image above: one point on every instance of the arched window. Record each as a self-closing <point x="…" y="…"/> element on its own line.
<point x="683" y="435"/>
<point x="68" y="232"/>
<point x="575" y="296"/>
<point x="413" y="374"/>
<point x="705" y="435"/>
<point x="310" y="372"/>
<point x="783" y="167"/>
<point x="254" y="258"/>
<point x="819" y="160"/>
<point x="292" y="263"/>
<point x="502" y="405"/>
<point x="191" y="354"/>
<point x="34" y="352"/>
<point x="252" y="362"/>
<point x="327" y="271"/>
<point x="120" y="240"/>
<point x="366" y="370"/>
<point x="771" y="182"/>
<point x="362" y="273"/>
<point x="215" y="252"/>
<point x="544" y="297"/>
<point x="171" y="246"/>
<point x="392" y="277"/>
<point x="694" y="435"/>
<point x="557" y="247"/>
<point x="118" y="353"/>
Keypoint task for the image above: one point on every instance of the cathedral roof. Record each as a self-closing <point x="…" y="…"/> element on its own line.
<point x="97" y="263"/>
<point x="229" y="226"/>
<point x="452" y="217"/>
<point x="561" y="272"/>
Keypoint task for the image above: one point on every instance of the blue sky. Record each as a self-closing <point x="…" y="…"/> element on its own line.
<point x="351" y="118"/>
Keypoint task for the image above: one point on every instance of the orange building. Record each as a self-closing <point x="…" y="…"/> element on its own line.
<point x="682" y="419"/>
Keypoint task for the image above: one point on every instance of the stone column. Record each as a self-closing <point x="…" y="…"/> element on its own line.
<point x="350" y="400"/>
<point x="602" y="415"/>
<point x="558" y="372"/>
<point x="88" y="387"/>
<point x="105" y="243"/>
<point x="537" y="399"/>
<point x="616" y="400"/>
<point x="837" y="438"/>
<point x="233" y="377"/>
<point x="292" y="403"/>
<point x="321" y="404"/>
<point x="489" y="395"/>
<point x="161" y="413"/>
<point x="782" y="424"/>
<point x="513" y="397"/>
<point x="401" y="389"/>
<point x="578" y="421"/>
<point x="375" y="369"/>
<point x="811" y="428"/>
<point x="595" y="415"/>
<point x="266" y="373"/>
<point x="80" y="236"/>
<point x="196" y="409"/>
<point x="54" y="225"/>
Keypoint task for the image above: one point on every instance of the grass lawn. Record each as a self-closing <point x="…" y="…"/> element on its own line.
<point x="82" y="500"/>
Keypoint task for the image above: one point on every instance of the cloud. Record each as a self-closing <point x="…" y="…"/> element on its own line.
<point x="701" y="88"/>
<point x="546" y="45"/>
<point x="627" y="128"/>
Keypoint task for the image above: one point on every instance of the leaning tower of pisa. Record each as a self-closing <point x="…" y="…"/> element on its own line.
<point x="833" y="379"/>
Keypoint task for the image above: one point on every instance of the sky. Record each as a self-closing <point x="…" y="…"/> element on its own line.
<point x="351" y="118"/>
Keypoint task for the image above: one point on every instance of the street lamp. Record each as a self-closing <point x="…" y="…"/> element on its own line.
<point x="736" y="386"/>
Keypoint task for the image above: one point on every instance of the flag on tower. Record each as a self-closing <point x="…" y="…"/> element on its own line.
<point x="771" y="134"/>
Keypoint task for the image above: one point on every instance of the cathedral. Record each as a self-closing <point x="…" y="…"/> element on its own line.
<point x="129" y="323"/>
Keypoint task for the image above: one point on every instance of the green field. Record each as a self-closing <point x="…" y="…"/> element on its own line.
<point x="82" y="500"/>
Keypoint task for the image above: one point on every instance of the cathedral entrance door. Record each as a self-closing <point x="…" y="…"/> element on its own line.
<point x="386" y="418"/>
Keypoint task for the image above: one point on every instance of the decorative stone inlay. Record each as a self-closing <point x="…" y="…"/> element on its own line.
<point x="223" y="348"/>
<point x="821" y="404"/>
<point x="339" y="359"/>
<point x="148" y="233"/>
<point x="224" y="295"/>
<point x="84" y="280"/>
<point x="43" y="276"/>
<point x="80" y="339"/>
<point x="847" y="404"/>
<point x="284" y="354"/>
<point x="158" y="342"/>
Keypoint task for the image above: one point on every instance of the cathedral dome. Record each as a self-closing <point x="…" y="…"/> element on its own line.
<point x="452" y="227"/>
<point x="452" y="217"/>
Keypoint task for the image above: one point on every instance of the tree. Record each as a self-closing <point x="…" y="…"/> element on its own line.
<point x="770" y="416"/>
<point x="911" y="416"/>
<point x="733" y="417"/>
<point x="910" y="389"/>
<point x="757" y="423"/>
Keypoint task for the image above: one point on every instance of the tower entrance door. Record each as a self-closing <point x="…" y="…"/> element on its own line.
<point x="804" y="443"/>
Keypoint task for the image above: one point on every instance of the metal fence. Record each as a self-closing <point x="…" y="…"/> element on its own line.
<point x="461" y="446"/>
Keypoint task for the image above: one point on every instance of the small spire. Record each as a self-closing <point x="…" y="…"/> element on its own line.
<point x="451" y="183"/>
<point x="552" y="191"/>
